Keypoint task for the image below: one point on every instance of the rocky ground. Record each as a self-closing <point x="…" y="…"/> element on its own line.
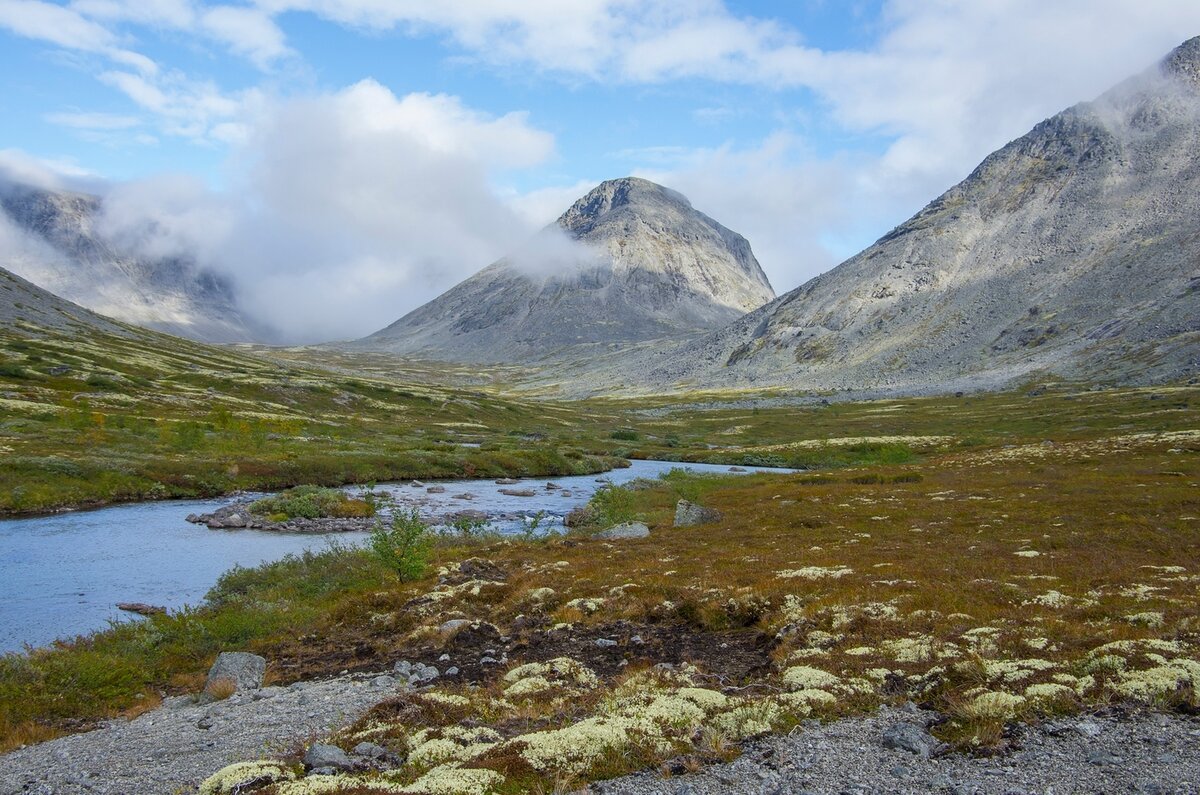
<point x="172" y="749"/>
<point x="891" y="752"/>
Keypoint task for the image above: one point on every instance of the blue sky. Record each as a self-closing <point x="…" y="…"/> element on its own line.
<point x="355" y="157"/>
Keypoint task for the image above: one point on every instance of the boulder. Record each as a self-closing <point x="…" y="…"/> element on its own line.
<point x="241" y="670"/>
<point x="626" y="530"/>
<point x="908" y="737"/>
<point x="322" y="757"/>
<point x="688" y="514"/>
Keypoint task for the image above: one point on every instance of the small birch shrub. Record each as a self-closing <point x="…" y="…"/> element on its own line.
<point x="403" y="547"/>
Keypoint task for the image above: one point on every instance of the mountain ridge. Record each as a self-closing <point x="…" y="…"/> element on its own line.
<point x="1072" y="251"/>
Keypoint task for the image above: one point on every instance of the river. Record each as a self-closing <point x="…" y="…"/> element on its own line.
<point x="62" y="575"/>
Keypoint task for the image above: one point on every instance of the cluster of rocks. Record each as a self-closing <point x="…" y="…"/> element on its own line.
<point x="239" y="517"/>
<point x="687" y="514"/>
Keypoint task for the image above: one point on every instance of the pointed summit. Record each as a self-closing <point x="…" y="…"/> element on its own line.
<point x="1184" y="62"/>
<point x="628" y="262"/>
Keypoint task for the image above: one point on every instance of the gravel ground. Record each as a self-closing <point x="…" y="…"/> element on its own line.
<point x="174" y="748"/>
<point x="1150" y="754"/>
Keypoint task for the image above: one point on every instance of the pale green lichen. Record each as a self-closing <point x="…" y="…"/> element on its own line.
<point x="1048" y="691"/>
<point x="815" y="573"/>
<point x="237" y="777"/>
<point x="994" y="704"/>
<point x="450" y="779"/>
<point x="802" y="677"/>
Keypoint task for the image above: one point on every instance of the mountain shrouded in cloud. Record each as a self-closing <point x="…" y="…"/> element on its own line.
<point x="345" y="205"/>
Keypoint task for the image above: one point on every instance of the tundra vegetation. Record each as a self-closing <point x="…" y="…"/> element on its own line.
<point x="999" y="558"/>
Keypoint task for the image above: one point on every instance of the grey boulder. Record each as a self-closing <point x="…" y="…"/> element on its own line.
<point x="688" y="514"/>
<point x="242" y="670"/>
<point x="625" y="530"/>
<point x="323" y="757"/>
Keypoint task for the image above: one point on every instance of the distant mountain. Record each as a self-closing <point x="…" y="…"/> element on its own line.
<point x="631" y="261"/>
<point x="1074" y="250"/>
<point x="62" y="251"/>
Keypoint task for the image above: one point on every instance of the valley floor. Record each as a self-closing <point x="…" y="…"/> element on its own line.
<point x="1003" y="562"/>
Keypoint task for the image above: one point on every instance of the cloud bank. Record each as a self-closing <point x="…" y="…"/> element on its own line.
<point x="349" y="209"/>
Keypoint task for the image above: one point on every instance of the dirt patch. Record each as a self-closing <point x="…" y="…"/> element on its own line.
<point x="482" y="652"/>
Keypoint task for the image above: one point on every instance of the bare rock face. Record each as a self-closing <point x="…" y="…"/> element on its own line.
<point x="1073" y="251"/>
<point x="631" y="261"/>
<point x="53" y="240"/>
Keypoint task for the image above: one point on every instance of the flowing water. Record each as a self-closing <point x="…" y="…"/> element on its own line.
<point x="62" y="575"/>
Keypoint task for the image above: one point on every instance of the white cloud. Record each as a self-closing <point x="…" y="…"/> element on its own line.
<point x="50" y="174"/>
<point x="64" y="27"/>
<point x="195" y="109"/>
<point x="247" y="31"/>
<point x="166" y="13"/>
<point x="350" y="209"/>
<point x="93" y="121"/>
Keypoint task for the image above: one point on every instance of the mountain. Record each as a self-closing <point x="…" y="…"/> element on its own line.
<point x="53" y="239"/>
<point x="1072" y="251"/>
<point x="629" y="262"/>
<point x="27" y="309"/>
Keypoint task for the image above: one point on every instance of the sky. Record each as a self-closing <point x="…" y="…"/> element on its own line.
<point x="344" y="161"/>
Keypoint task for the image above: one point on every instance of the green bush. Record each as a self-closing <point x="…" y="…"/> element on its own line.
<point x="312" y="502"/>
<point x="405" y="546"/>
<point x="626" y="435"/>
<point x="10" y="370"/>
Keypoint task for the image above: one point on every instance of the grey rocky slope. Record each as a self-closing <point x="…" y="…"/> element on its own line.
<point x="54" y="239"/>
<point x="1074" y="250"/>
<point x="26" y="308"/>
<point x="630" y="261"/>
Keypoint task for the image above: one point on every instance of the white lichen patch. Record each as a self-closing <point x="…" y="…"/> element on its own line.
<point x="1048" y="691"/>
<point x="1028" y="553"/>
<point x="585" y="605"/>
<point x="239" y="776"/>
<point x="450" y="779"/>
<point x="1147" y="619"/>
<point x="1052" y="599"/>
<point x="909" y="650"/>
<point x="560" y="674"/>
<point x="803" y="677"/>
<point x="815" y="573"/>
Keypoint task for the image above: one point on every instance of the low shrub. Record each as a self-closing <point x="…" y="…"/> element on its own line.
<point x="312" y="502"/>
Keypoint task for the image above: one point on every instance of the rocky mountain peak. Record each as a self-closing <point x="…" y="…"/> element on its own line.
<point x="1184" y="62"/>
<point x="647" y="266"/>
<point x="631" y="195"/>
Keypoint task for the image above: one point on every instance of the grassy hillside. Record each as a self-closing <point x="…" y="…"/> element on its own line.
<point x="95" y="417"/>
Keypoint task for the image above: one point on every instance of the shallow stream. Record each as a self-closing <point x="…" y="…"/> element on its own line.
<point x="62" y="575"/>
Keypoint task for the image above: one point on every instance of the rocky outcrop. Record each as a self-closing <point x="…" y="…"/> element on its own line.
<point x="239" y="517"/>
<point x="62" y="249"/>
<point x="629" y="262"/>
<point x="1072" y="251"/>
